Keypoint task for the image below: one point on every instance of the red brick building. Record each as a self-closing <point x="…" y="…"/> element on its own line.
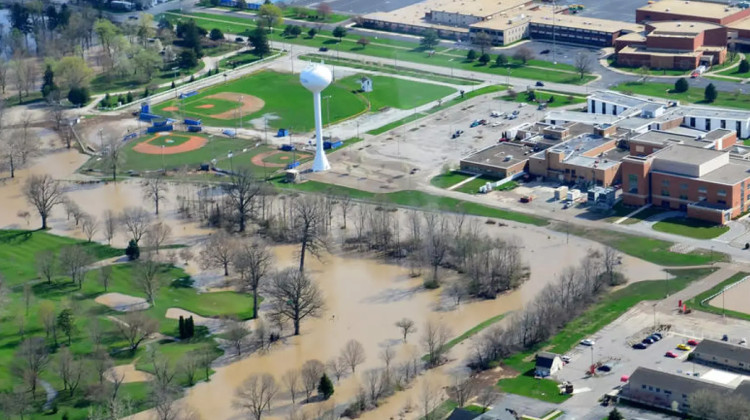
<point x="698" y="11"/>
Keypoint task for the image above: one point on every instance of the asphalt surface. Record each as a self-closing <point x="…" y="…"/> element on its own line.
<point x="358" y="7"/>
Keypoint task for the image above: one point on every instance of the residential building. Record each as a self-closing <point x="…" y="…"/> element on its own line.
<point x="723" y="355"/>
<point x="547" y="364"/>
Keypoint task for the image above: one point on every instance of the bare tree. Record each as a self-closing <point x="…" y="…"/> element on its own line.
<point x="136" y="327"/>
<point x="311" y="372"/>
<point x="462" y="389"/>
<point x="69" y="369"/>
<point x="256" y="395"/>
<point x="113" y="155"/>
<point x="218" y="251"/>
<point x="136" y="221"/>
<point x="310" y="227"/>
<point x="353" y="354"/>
<point x="456" y="291"/>
<point x="236" y="333"/>
<point x="109" y="225"/>
<point x="241" y="193"/>
<point x="486" y="397"/>
<point x="105" y="276"/>
<point x="610" y="259"/>
<point x="583" y="63"/>
<point x="375" y="385"/>
<point x="703" y="404"/>
<point x="49" y="319"/>
<point x="101" y="362"/>
<point x="436" y="245"/>
<point x="291" y="381"/>
<point x="435" y="337"/>
<point x="155" y="188"/>
<point x="28" y="296"/>
<point x="30" y="361"/>
<point x="336" y="367"/>
<point x="429" y="396"/>
<point x="252" y="261"/>
<point x="73" y="261"/>
<point x="407" y="327"/>
<point x="4" y="69"/>
<point x="89" y="226"/>
<point x="44" y="193"/>
<point x="387" y="356"/>
<point x="523" y="54"/>
<point x="189" y="365"/>
<point x="206" y="356"/>
<point x="345" y="203"/>
<point x="186" y="255"/>
<point x="294" y="296"/>
<point x="46" y="265"/>
<point x="147" y="276"/>
<point x="157" y="234"/>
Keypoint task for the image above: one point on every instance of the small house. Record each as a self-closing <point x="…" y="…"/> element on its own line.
<point x="547" y="364"/>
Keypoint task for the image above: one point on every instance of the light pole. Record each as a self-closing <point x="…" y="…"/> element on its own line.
<point x="592" y="355"/>
<point x="163" y="166"/>
<point x="101" y="140"/>
<point x="723" y="307"/>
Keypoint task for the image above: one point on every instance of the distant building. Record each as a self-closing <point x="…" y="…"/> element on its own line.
<point x="547" y="364"/>
<point x="723" y="355"/>
<point x="498" y="161"/>
<point x="665" y="391"/>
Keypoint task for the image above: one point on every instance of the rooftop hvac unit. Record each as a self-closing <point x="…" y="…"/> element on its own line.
<point x="509" y="157"/>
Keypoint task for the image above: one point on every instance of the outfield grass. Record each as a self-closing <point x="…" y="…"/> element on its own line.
<point x="695" y="302"/>
<point x="285" y="98"/>
<point x="216" y="105"/>
<point x="609" y="307"/>
<point x="693" y="95"/>
<point x="397" y="50"/>
<point x="418" y="199"/>
<point x="455" y="101"/>
<point x="391" y="92"/>
<point x="216" y="148"/>
<point x="648" y="249"/>
<point x="692" y="228"/>
<point x="388" y="68"/>
<point x="560" y="99"/>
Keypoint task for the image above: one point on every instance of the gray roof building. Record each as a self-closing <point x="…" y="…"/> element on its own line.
<point x="723" y="354"/>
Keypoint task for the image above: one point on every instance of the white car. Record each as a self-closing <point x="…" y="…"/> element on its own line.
<point x="587" y="342"/>
<point x="496" y="114"/>
<point x="743" y="342"/>
<point x="565" y="358"/>
<point x="495" y="124"/>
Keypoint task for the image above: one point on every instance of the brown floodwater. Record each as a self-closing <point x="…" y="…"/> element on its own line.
<point x="364" y="297"/>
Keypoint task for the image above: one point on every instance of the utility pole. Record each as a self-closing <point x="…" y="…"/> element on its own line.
<point x="554" y="44"/>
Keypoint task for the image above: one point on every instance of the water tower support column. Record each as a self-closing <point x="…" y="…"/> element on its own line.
<point x="321" y="161"/>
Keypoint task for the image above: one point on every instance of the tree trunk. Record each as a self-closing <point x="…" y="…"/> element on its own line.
<point x="44" y="221"/>
<point x="296" y="327"/>
<point x="255" y="303"/>
<point x="226" y="269"/>
<point x="302" y="255"/>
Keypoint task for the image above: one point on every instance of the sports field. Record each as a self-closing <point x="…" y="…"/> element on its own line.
<point x="190" y="150"/>
<point x="286" y="104"/>
<point x="734" y="299"/>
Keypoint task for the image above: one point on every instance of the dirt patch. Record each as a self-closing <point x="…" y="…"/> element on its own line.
<point x="205" y="106"/>
<point x="257" y="160"/>
<point x="121" y="302"/>
<point x="171" y="109"/>
<point x="128" y="373"/>
<point x="250" y="104"/>
<point x="193" y="143"/>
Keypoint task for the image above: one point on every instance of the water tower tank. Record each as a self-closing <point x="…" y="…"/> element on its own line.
<point x="316" y="77"/>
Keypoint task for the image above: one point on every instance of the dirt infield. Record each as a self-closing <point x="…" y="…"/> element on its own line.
<point x="193" y="143"/>
<point x="257" y="160"/>
<point x="170" y="109"/>
<point x="250" y="104"/>
<point x="205" y="106"/>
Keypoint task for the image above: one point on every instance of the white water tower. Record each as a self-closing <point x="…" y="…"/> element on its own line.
<point x="315" y="78"/>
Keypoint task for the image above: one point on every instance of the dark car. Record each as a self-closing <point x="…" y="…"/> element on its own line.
<point x="239" y="39"/>
<point x="658" y="334"/>
<point x="539" y="84"/>
<point x="655" y="337"/>
<point x="544" y="52"/>
<point x="640" y="346"/>
<point x="648" y="340"/>
<point x="323" y="49"/>
<point x="725" y="338"/>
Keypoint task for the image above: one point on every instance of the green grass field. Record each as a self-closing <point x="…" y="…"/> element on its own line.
<point x="529" y="386"/>
<point x="391" y="92"/>
<point x="692" y="228"/>
<point x="170" y="140"/>
<point x="542" y="96"/>
<point x="18" y="250"/>
<point x="652" y="250"/>
<point x="621" y="210"/>
<point x="693" y="95"/>
<point x="695" y="302"/>
<point x="397" y="50"/>
<point x="449" y="179"/>
<point x="208" y="106"/>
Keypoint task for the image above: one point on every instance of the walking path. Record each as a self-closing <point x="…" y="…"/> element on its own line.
<point x="453" y="187"/>
<point x="632" y="213"/>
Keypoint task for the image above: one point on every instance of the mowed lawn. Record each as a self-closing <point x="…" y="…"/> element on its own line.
<point x="398" y="93"/>
<point x="692" y="228"/>
<point x="287" y="103"/>
<point x="694" y="95"/>
<point x="208" y="106"/>
<point x="216" y="148"/>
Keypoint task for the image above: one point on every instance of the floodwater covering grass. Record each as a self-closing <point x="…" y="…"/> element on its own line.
<point x="648" y="249"/>
<point x="694" y="95"/>
<point x="692" y="228"/>
<point x="609" y="307"/>
<point x="695" y="302"/>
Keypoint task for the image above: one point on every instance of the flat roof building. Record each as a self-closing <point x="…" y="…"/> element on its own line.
<point x="498" y="161"/>
<point x="722" y="354"/>
<point x="666" y="10"/>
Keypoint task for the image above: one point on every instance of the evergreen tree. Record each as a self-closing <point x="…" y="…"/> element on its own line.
<point x="129" y="97"/>
<point x="325" y="387"/>
<point x="484" y="58"/>
<point x="710" y="93"/>
<point x="78" y="96"/>
<point x="173" y="85"/>
<point x="259" y="40"/>
<point x="615" y="415"/>
<point x="48" y="82"/>
<point x="471" y="55"/>
<point x="189" y="327"/>
<point x="181" y="327"/>
<point x="501" y="60"/>
<point x="132" y="251"/>
<point x="681" y="85"/>
<point x="744" y="66"/>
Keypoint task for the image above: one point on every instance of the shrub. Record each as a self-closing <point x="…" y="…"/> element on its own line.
<point x="471" y="55"/>
<point x="710" y="93"/>
<point x="325" y="387"/>
<point x="744" y="66"/>
<point x="216" y="34"/>
<point x="78" y="96"/>
<point x="681" y="85"/>
<point x="132" y="251"/>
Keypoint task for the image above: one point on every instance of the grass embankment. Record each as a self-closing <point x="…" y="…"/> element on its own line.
<point x="388" y="68"/>
<point x="455" y="101"/>
<point x="621" y="210"/>
<point x="544" y="96"/>
<point x="693" y="95"/>
<point x="652" y="250"/>
<point x="418" y="199"/>
<point x="397" y="50"/>
<point x="18" y="258"/>
<point x="469" y="333"/>
<point x="695" y="302"/>
<point x="692" y="228"/>
<point x="607" y="309"/>
<point x="452" y="178"/>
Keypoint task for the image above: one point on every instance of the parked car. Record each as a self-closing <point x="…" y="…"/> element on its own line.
<point x="654" y="337"/>
<point x="658" y="334"/>
<point x="648" y="340"/>
<point x="495" y="124"/>
<point x="565" y="358"/>
<point x="692" y="343"/>
<point x="544" y="52"/>
<point x="239" y="39"/>
<point x="640" y="346"/>
<point x="482" y="122"/>
<point x="605" y="368"/>
<point x="475" y="123"/>
<point x="683" y="347"/>
<point x="133" y="17"/>
<point x="743" y="342"/>
<point x="588" y="342"/>
<point x="529" y="199"/>
<point x="496" y="114"/>
<point x="725" y="338"/>
<point x="323" y="49"/>
<point x="539" y="83"/>
<point x="670" y="354"/>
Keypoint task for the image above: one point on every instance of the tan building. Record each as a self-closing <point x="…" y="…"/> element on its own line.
<point x="499" y="161"/>
<point x="723" y="355"/>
